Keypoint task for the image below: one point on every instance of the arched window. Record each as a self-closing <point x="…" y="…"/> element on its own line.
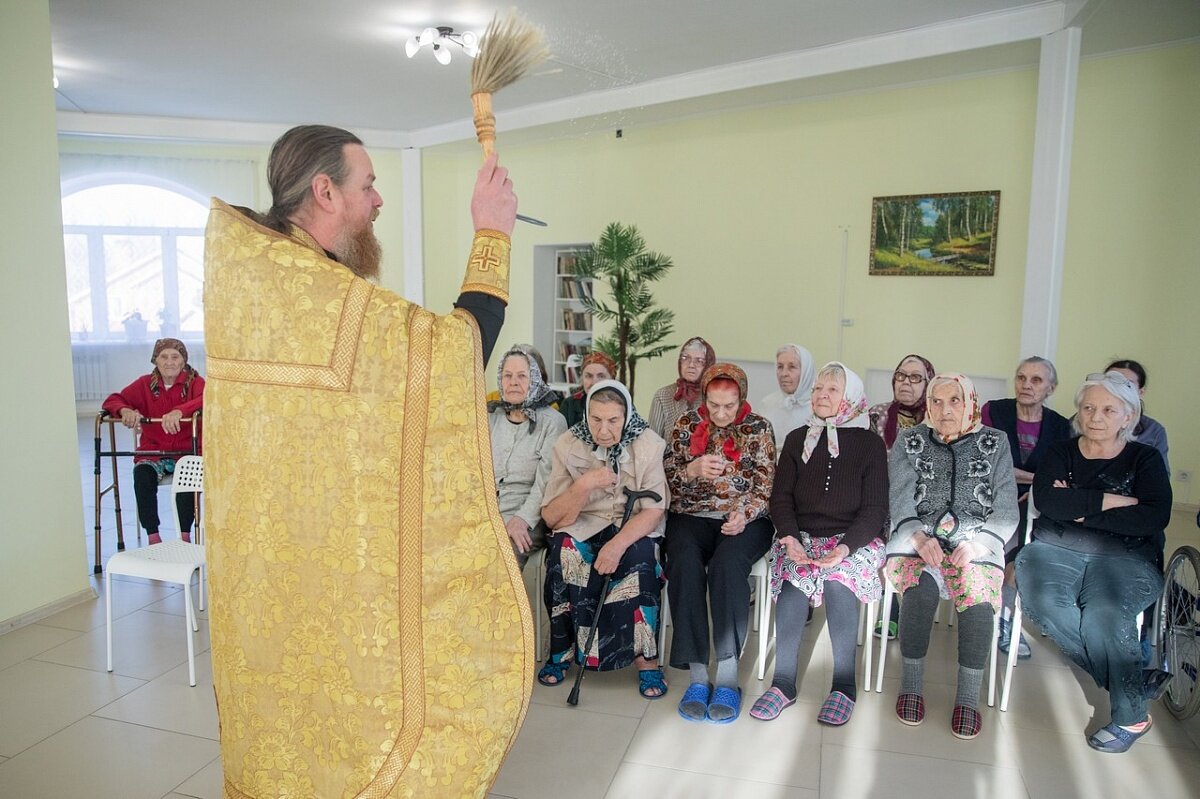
<point x="135" y="259"/>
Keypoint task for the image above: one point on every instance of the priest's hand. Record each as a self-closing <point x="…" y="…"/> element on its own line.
<point x="493" y="204"/>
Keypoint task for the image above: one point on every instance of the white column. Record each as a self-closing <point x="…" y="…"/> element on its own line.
<point x="1058" y="74"/>
<point x="414" y="243"/>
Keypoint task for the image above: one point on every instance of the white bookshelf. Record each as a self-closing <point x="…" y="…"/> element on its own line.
<point x="562" y="324"/>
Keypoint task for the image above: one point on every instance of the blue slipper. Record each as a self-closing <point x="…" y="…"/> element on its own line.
<point x="1114" y="739"/>
<point x="651" y="679"/>
<point x="694" y="705"/>
<point x="725" y="705"/>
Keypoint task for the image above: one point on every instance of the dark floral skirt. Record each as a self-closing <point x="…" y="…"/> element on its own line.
<point x="629" y="619"/>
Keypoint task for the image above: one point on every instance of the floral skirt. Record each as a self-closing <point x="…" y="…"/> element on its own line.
<point x="858" y="571"/>
<point x="628" y="624"/>
<point x="973" y="585"/>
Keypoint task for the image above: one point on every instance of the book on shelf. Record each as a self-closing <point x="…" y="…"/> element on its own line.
<point x="567" y="348"/>
<point x="576" y="320"/>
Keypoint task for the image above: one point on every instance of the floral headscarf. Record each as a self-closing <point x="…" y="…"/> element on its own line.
<point x="851" y="413"/>
<point x="731" y="447"/>
<point x="916" y="410"/>
<point x="972" y="418"/>
<point x="539" y="395"/>
<point x="686" y="390"/>
<point x="186" y="375"/>
<point x="634" y="425"/>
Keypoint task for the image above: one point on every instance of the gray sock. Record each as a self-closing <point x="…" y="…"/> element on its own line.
<point x="791" y="609"/>
<point x="1008" y="599"/>
<point x="727" y="676"/>
<point x="969" y="683"/>
<point x="699" y="672"/>
<point x="841" y="616"/>
<point x="913" y="677"/>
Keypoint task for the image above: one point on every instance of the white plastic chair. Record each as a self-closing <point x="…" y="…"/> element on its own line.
<point x="172" y="561"/>
<point x="889" y="592"/>
<point x="1014" y="640"/>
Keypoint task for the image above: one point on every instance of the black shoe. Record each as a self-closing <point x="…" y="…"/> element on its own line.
<point x="1155" y="683"/>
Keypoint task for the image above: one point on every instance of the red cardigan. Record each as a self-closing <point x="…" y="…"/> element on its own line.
<point x="137" y="396"/>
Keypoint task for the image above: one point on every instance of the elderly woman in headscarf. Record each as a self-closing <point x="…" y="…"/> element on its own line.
<point x="790" y="406"/>
<point x="675" y="399"/>
<point x="1093" y="564"/>
<point x="596" y="367"/>
<point x="720" y="465"/>
<point x="829" y="506"/>
<point x="907" y="408"/>
<point x="611" y="449"/>
<point x="523" y="430"/>
<point x="953" y="507"/>
<point x="174" y="391"/>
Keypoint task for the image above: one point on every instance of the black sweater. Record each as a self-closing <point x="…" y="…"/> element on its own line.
<point x="1137" y="530"/>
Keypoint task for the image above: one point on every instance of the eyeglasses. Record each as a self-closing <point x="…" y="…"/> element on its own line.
<point x="915" y="378"/>
<point x="696" y="361"/>
<point x="1116" y="377"/>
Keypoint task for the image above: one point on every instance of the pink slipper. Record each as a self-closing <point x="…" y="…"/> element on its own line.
<point x="770" y="704"/>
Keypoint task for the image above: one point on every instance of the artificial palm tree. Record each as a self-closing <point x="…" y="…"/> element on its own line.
<point x="620" y="260"/>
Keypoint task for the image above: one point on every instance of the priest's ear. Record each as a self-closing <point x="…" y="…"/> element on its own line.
<point x="322" y="192"/>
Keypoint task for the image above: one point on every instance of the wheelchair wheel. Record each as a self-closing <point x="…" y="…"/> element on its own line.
<point x="1179" y="632"/>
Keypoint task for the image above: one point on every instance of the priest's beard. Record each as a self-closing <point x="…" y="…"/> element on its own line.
<point x="360" y="252"/>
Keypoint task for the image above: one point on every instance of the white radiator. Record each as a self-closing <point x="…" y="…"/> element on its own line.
<point x="91" y="373"/>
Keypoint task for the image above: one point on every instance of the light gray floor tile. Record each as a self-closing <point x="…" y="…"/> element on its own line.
<point x="102" y="759"/>
<point x="33" y="639"/>
<point x="207" y="783"/>
<point x="39" y="699"/>
<point x="127" y="598"/>
<point x="849" y="773"/>
<point x="636" y="779"/>
<point x="594" y="743"/>
<point x="169" y="703"/>
<point x="145" y="645"/>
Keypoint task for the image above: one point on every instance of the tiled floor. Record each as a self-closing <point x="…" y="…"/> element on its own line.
<point x="69" y="729"/>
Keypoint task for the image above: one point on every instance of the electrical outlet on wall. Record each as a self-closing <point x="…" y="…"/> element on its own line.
<point x="1183" y="476"/>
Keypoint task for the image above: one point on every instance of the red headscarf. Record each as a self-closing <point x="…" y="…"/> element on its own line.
<point x="686" y="390"/>
<point x="916" y="410"/>
<point x="721" y="373"/>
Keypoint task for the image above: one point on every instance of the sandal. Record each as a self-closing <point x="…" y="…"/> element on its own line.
<point x="1114" y="739"/>
<point x="694" y="705"/>
<point x="727" y="702"/>
<point x="893" y="629"/>
<point x="553" y="672"/>
<point x="649" y="680"/>
<point x="836" y="710"/>
<point x="770" y="704"/>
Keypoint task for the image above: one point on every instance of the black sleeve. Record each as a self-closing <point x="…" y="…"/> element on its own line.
<point x="489" y="315"/>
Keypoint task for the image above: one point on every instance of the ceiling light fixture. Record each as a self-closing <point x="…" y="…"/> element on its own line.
<point x="438" y="38"/>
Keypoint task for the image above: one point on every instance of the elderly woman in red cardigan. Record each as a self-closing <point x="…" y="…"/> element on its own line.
<point x="173" y="392"/>
<point x="720" y="465"/>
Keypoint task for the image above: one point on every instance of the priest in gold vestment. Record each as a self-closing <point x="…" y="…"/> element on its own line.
<point x="370" y="631"/>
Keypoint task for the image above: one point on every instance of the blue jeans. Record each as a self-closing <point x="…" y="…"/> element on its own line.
<point x="1089" y="604"/>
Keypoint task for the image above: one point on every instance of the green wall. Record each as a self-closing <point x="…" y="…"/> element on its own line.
<point x="751" y="205"/>
<point x="42" y="555"/>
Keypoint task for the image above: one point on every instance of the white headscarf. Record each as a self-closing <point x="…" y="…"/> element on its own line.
<point x="851" y="413"/>
<point x="786" y="412"/>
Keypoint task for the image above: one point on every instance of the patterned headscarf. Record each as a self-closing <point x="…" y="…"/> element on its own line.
<point x="851" y="413"/>
<point x="916" y="410"/>
<point x="731" y="447"/>
<point x="686" y="390"/>
<point x="596" y="356"/>
<point x="972" y="418"/>
<point x="802" y="396"/>
<point x="539" y="395"/>
<point x="186" y="375"/>
<point x="634" y="425"/>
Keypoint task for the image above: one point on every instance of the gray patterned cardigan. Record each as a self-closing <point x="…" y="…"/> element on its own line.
<point x="971" y="477"/>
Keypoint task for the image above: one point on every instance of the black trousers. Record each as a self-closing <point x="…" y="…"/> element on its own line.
<point x="706" y="568"/>
<point x="145" y="488"/>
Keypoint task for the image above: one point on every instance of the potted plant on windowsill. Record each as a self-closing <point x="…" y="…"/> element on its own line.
<point x="135" y="326"/>
<point x="620" y="259"/>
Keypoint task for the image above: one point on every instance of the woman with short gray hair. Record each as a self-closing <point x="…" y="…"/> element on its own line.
<point x="1104" y="501"/>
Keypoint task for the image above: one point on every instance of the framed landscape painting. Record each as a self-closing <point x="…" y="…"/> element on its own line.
<point x="935" y="234"/>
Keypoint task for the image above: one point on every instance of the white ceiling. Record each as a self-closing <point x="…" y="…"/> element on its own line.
<point x="242" y="70"/>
